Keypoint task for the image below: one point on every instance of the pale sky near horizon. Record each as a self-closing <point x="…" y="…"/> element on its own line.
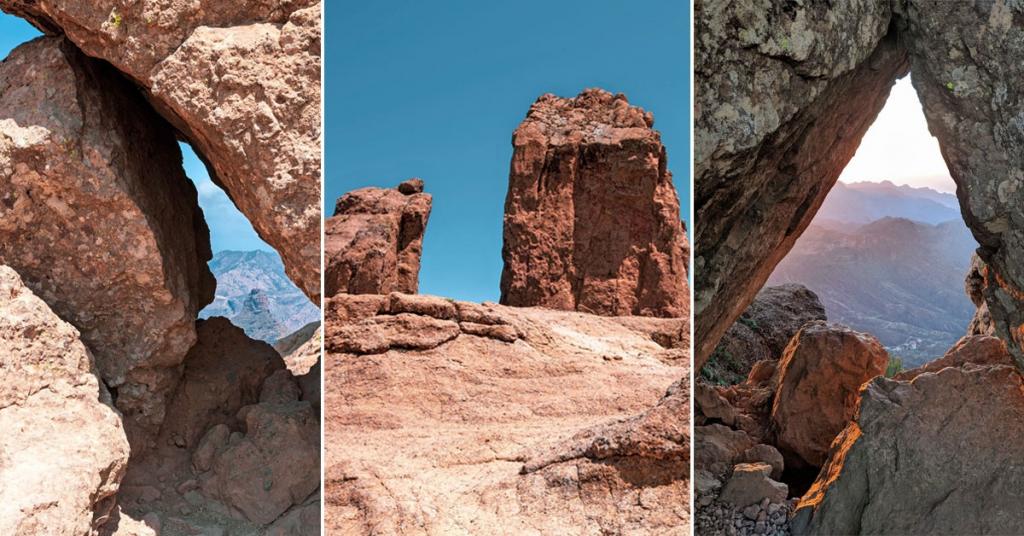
<point x="898" y="146"/>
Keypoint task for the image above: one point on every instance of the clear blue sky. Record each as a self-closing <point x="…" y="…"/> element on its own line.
<point x="435" y="89"/>
<point x="228" y="228"/>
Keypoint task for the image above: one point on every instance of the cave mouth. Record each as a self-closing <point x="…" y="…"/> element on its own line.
<point x="253" y="291"/>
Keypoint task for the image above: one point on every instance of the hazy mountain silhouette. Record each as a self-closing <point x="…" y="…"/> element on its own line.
<point x="865" y="202"/>
<point x="256" y="295"/>
<point x="898" y="279"/>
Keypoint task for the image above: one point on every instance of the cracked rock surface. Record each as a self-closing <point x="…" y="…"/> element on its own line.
<point x="542" y="422"/>
<point x="241" y="81"/>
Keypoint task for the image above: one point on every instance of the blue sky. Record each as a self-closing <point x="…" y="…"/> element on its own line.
<point x="435" y="90"/>
<point x="228" y="228"/>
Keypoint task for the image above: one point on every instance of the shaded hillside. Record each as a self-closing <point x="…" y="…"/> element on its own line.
<point x="865" y="202"/>
<point x="256" y="295"/>
<point x="899" y="280"/>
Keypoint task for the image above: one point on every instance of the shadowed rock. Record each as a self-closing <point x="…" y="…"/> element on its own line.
<point x="98" y="217"/>
<point x="591" y="216"/>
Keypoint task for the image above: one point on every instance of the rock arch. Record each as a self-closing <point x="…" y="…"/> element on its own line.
<point x="784" y="95"/>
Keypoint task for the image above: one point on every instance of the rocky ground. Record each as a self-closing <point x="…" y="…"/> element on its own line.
<point x="498" y="420"/>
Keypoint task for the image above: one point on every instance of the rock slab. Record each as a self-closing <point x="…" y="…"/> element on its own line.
<point x="63" y="450"/>
<point x="97" y="216"/>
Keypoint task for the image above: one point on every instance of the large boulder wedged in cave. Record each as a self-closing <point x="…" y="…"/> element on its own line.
<point x="63" y="449"/>
<point x="591" y="216"/>
<point x="373" y="243"/>
<point x="97" y="216"/>
<point x="241" y="81"/>
<point x="936" y="455"/>
<point x="783" y="95"/>
<point x="968" y="75"/>
<point x="819" y="381"/>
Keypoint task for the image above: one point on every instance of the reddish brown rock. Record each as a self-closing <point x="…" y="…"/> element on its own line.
<point x="63" y="449"/>
<point x="241" y="81"/>
<point x="762" y="331"/>
<point x="591" y="217"/>
<point x="374" y="240"/>
<point x="98" y="217"/>
<point x="978" y="349"/>
<point x="558" y="431"/>
<point x="820" y="376"/>
<point x="935" y="455"/>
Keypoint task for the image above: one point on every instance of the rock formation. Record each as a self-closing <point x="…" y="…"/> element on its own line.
<point x="118" y="244"/>
<point x="241" y="81"/>
<point x="762" y="331"/>
<point x="543" y="420"/>
<point x="51" y="481"/>
<point x="374" y="240"/>
<point x="939" y="453"/>
<point x="591" y="217"/>
<point x="238" y="446"/>
<point x="974" y="285"/>
<point x="976" y="349"/>
<point x="820" y="375"/>
<point x="784" y="96"/>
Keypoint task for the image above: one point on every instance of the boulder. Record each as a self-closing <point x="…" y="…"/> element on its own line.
<point x="750" y="484"/>
<point x="97" y="216"/>
<point x="241" y="82"/>
<point x="820" y="376"/>
<point x="373" y="243"/>
<point x="974" y="285"/>
<point x="763" y="331"/>
<point x="63" y="450"/>
<point x="224" y="372"/>
<point x="591" y="216"/>
<point x="935" y="455"/>
<point x="979" y="350"/>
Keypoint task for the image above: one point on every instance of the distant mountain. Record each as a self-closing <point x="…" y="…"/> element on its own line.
<point x="256" y="295"/>
<point x="865" y="202"/>
<point x="900" y="280"/>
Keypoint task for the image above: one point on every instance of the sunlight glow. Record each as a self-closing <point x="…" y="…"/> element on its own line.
<point x="898" y="146"/>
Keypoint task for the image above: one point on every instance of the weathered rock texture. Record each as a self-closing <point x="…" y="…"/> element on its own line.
<point x="591" y="217"/>
<point x="238" y="451"/>
<point x="821" y="374"/>
<point x="516" y="420"/>
<point x="762" y="331"/>
<point x="241" y="81"/>
<point x="976" y="349"/>
<point x="97" y="216"/>
<point x="784" y="95"/>
<point x="63" y="450"/>
<point x="374" y="240"/>
<point x="936" y="455"/>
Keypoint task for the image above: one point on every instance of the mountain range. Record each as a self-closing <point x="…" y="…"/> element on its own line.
<point x="883" y="260"/>
<point x="256" y="295"/>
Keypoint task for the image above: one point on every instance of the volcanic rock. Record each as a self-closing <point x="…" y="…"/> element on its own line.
<point x="559" y="431"/>
<point x="591" y="216"/>
<point x="99" y="219"/>
<point x="783" y="96"/>
<point x="938" y="451"/>
<point x="821" y="374"/>
<point x="63" y="450"/>
<point x="979" y="350"/>
<point x="974" y="284"/>
<point x="241" y="81"/>
<point x="374" y="241"/>
<point x="750" y="484"/>
<point x="763" y="331"/>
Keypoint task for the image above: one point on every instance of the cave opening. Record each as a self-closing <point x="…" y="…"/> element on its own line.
<point x="253" y="291"/>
